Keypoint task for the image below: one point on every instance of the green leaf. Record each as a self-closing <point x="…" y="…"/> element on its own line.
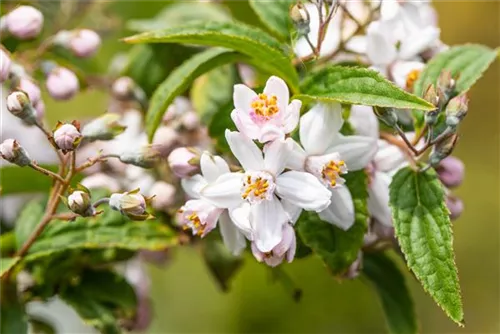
<point x="103" y="299"/>
<point x="180" y="13"/>
<point x="390" y="285"/>
<point x="423" y="228"/>
<point x="27" y="222"/>
<point x="266" y="52"/>
<point x="275" y="16"/>
<point x="17" y="179"/>
<point x="12" y="313"/>
<point x="218" y="125"/>
<point x="6" y="263"/>
<point x="213" y="90"/>
<point x="180" y="79"/>
<point x="109" y="230"/>
<point x="150" y="64"/>
<point x="338" y="248"/>
<point x="468" y="62"/>
<point x="355" y="85"/>
<point x="221" y="263"/>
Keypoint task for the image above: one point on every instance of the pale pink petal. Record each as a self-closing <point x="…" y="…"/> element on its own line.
<point x="276" y="86"/>
<point x="231" y="235"/>
<point x="364" y="121"/>
<point x="243" y="98"/>
<point x="276" y="155"/>
<point x="292" y="116"/>
<point x="240" y="216"/>
<point x="225" y="192"/>
<point x="267" y="219"/>
<point x="245" y="124"/>
<point x="303" y="189"/>
<point x="356" y="151"/>
<point x="378" y="198"/>
<point x="341" y="210"/>
<point x="193" y="185"/>
<point x="379" y="49"/>
<point x="270" y="132"/>
<point x="212" y="166"/>
<point x="245" y="150"/>
<point x="293" y="211"/>
<point x="298" y="156"/>
<point x="319" y="127"/>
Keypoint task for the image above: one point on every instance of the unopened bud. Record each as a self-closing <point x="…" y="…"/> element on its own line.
<point x="131" y="204"/>
<point x="184" y="161"/>
<point x="19" y="105"/>
<point x="29" y="87"/>
<point x="456" y="110"/>
<point x="105" y="127"/>
<point x="5" y="65"/>
<point x="190" y="120"/>
<point x="164" y="195"/>
<point x="455" y="206"/>
<point x="446" y="83"/>
<point x="67" y="136"/>
<point x="123" y="88"/>
<point x="386" y="115"/>
<point x="300" y="18"/>
<point x="84" y="43"/>
<point x="14" y="153"/>
<point x="79" y="202"/>
<point x="144" y="157"/>
<point x="62" y="83"/>
<point x="431" y="95"/>
<point x="24" y="22"/>
<point x="431" y="117"/>
<point x="443" y="149"/>
<point x="451" y="172"/>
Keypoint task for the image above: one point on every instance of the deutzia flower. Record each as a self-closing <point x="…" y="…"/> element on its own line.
<point x="267" y="116"/>
<point x="254" y="194"/>
<point x="327" y="154"/>
<point x="285" y="249"/>
<point x="200" y="215"/>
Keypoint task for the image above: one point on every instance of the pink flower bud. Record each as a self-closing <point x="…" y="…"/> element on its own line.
<point x="62" y="83"/>
<point x="164" y="195"/>
<point x="79" y="202"/>
<point x="5" y="64"/>
<point x="20" y="106"/>
<point x="123" y="88"/>
<point x="24" y="22"/>
<point x="131" y="204"/>
<point x="84" y="43"/>
<point x="184" y="161"/>
<point x="190" y="120"/>
<point x="451" y="171"/>
<point x="67" y="137"/>
<point x="14" y="153"/>
<point x="455" y="205"/>
<point x="31" y="88"/>
<point x="167" y="136"/>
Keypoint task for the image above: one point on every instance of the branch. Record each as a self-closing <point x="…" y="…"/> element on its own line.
<point x="47" y="172"/>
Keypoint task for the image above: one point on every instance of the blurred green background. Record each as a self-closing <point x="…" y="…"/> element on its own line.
<point x="186" y="299"/>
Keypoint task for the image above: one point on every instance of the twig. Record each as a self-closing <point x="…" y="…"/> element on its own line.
<point x="101" y="201"/>
<point x="92" y="161"/>
<point x="46" y="172"/>
<point x="405" y="139"/>
<point x="69" y="216"/>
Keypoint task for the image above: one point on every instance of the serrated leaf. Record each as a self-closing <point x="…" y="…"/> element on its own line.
<point x="150" y="64"/>
<point x="6" y="263"/>
<point x="213" y="90"/>
<point x="27" y="221"/>
<point x="109" y="230"/>
<point x="394" y="295"/>
<point x="180" y="79"/>
<point x="468" y="62"/>
<point x="180" y="13"/>
<point x="221" y="263"/>
<point x="265" y="52"/>
<point x="275" y="16"/>
<point x="355" y="85"/>
<point x="423" y="229"/>
<point x="338" y="248"/>
<point x="103" y="299"/>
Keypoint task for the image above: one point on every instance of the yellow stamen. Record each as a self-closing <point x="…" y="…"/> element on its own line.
<point x="258" y="187"/>
<point x="411" y="78"/>
<point x="265" y="106"/>
<point x="332" y="170"/>
<point x="195" y="219"/>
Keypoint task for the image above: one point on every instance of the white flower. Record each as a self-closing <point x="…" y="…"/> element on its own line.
<point x="201" y="215"/>
<point x="267" y="116"/>
<point x="285" y="249"/>
<point x="327" y="154"/>
<point x="252" y="197"/>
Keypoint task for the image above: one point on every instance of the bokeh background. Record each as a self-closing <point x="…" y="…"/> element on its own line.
<point x="187" y="300"/>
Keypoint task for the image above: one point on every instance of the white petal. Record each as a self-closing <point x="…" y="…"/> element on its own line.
<point x="378" y="200"/>
<point x="245" y="124"/>
<point x="225" y="192"/>
<point x="193" y="185"/>
<point x="319" y="127"/>
<point x="243" y="97"/>
<point x="293" y="211"/>
<point x="357" y="44"/>
<point x="341" y="210"/>
<point x="292" y="116"/>
<point x="270" y="132"/>
<point x="297" y="158"/>
<point x="401" y="69"/>
<point x="245" y="150"/>
<point x="212" y="166"/>
<point x="303" y="189"/>
<point x="232" y="237"/>
<point x="418" y="41"/>
<point x="388" y="157"/>
<point x="267" y="219"/>
<point x="276" y="156"/>
<point x="356" y="151"/>
<point x="379" y="49"/>
<point x="286" y="240"/>
<point x="240" y="216"/>
<point x="276" y="86"/>
<point x="364" y="121"/>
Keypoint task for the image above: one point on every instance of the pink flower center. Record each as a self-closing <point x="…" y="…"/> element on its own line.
<point x="264" y="106"/>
